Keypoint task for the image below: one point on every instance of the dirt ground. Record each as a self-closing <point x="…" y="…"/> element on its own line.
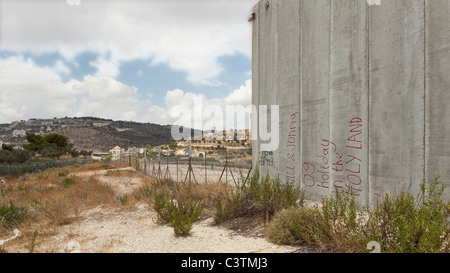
<point x="134" y="230"/>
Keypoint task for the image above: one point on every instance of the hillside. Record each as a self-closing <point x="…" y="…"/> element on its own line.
<point x="89" y="133"/>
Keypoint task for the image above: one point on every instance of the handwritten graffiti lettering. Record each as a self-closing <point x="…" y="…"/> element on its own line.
<point x="308" y="178"/>
<point x="330" y="161"/>
<point x="291" y="140"/>
<point x="354" y="163"/>
<point x="355" y="131"/>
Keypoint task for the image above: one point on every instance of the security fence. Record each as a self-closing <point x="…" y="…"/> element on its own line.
<point x="35" y="166"/>
<point x="195" y="170"/>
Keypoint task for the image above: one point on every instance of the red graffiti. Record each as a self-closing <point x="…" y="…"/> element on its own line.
<point x="291" y="140"/>
<point x="330" y="162"/>
<point x="354" y="163"/>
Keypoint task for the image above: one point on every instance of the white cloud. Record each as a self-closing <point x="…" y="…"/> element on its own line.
<point x="241" y="96"/>
<point x="210" y="113"/>
<point x="61" y="68"/>
<point x="187" y="35"/>
<point x="29" y="91"/>
<point x="106" y="68"/>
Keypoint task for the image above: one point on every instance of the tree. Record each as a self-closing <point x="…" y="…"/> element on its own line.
<point x="7" y="147"/>
<point x="15" y="156"/>
<point x="36" y="143"/>
<point x="57" y="139"/>
<point x="51" y="145"/>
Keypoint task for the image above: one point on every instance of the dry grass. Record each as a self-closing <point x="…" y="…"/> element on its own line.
<point x="51" y="201"/>
<point x="208" y="194"/>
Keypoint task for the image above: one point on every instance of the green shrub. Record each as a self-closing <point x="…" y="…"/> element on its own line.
<point x="331" y="227"/>
<point x="286" y="226"/>
<point x="400" y="225"/>
<point x="123" y="198"/>
<point x="184" y="215"/>
<point x="175" y="205"/>
<point x="67" y="182"/>
<point x="406" y="225"/>
<point x="11" y="214"/>
<point x="163" y="205"/>
<point x="264" y="196"/>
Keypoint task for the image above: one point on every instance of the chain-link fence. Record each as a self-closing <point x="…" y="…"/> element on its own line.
<point x="195" y="169"/>
<point x="35" y="166"/>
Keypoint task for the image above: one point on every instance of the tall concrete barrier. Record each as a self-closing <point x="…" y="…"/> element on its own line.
<point x="363" y="93"/>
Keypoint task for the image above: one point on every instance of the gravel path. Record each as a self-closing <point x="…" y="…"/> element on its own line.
<point x="133" y="230"/>
<point x="106" y="230"/>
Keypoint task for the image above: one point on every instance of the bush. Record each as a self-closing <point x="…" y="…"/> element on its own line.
<point x="14" y="156"/>
<point x="123" y="198"/>
<point x="257" y="196"/>
<point x="404" y="225"/>
<point x="67" y="182"/>
<point x="176" y="205"/>
<point x="12" y="215"/>
<point x="333" y="226"/>
<point x="284" y="228"/>
<point x="400" y="225"/>
<point x="183" y="215"/>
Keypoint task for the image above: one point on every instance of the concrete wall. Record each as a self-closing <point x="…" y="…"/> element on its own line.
<point x="362" y="91"/>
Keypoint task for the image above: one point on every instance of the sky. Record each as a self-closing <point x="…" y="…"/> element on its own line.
<point x="132" y="60"/>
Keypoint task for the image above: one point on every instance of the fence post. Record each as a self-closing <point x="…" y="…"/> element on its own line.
<point x="226" y="165"/>
<point x="206" y="172"/>
<point x="145" y="162"/>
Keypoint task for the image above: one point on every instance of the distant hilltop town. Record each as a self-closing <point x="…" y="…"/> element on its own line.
<point x="89" y="133"/>
<point x="19" y="129"/>
<point x="104" y="136"/>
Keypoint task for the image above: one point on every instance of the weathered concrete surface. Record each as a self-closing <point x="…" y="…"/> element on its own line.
<point x="255" y="80"/>
<point x="349" y="79"/>
<point x="315" y="62"/>
<point x="268" y="95"/>
<point x="437" y="91"/>
<point x="362" y="92"/>
<point x="396" y="141"/>
<point x="288" y="86"/>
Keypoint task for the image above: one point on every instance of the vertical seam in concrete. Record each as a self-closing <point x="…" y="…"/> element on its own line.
<point x="258" y="35"/>
<point x="330" y="25"/>
<point x="425" y="97"/>
<point x="275" y="21"/>
<point x="368" y="18"/>
<point x="301" y="93"/>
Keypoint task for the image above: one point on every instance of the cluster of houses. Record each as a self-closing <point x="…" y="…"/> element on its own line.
<point x="117" y="152"/>
<point x="42" y="126"/>
<point x="241" y="144"/>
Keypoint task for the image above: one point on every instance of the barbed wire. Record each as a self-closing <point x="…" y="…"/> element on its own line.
<point x="201" y="170"/>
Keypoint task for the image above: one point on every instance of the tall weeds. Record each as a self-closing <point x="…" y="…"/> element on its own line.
<point x="401" y="224"/>
<point x="177" y="204"/>
<point x="257" y="196"/>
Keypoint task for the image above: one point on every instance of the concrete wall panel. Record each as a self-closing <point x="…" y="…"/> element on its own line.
<point x="255" y="79"/>
<point x="372" y="85"/>
<point x="315" y="99"/>
<point x="288" y="69"/>
<point x="437" y="69"/>
<point x="349" y="99"/>
<point x="268" y="95"/>
<point x="396" y="97"/>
